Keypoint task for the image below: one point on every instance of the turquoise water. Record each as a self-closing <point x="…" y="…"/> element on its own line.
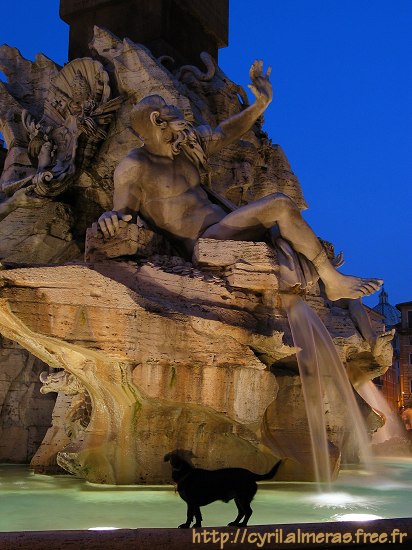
<point x="34" y="502"/>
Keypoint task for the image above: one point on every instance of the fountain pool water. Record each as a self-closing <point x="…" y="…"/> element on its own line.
<point x="34" y="502"/>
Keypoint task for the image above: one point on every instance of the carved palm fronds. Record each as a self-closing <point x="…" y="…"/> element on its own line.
<point x="79" y="88"/>
<point x="62" y="137"/>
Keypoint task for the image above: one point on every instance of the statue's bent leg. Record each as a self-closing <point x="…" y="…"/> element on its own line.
<point x="250" y="222"/>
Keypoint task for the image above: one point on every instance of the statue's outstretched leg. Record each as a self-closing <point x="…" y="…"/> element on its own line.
<point x="251" y="221"/>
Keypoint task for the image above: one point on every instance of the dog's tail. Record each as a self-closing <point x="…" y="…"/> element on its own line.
<point x="270" y="474"/>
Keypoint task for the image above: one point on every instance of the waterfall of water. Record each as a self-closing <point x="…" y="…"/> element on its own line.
<point x="310" y="374"/>
<point x="319" y="363"/>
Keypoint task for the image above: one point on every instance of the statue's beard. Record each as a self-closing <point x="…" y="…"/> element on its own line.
<point x="185" y="139"/>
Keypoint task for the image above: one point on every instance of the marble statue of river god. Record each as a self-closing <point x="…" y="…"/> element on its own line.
<point x="161" y="182"/>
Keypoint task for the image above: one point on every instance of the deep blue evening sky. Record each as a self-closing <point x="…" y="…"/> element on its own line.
<point x="342" y="75"/>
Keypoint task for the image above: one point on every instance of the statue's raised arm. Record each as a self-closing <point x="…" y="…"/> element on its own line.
<point x="233" y="128"/>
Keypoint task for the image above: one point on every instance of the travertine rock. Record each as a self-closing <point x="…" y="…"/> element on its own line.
<point x="39" y="235"/>
<point x="55" y="439"/>
<point x="132" y="240"/>
<point x="248" y="265"/>
<point x="25" y="414"/>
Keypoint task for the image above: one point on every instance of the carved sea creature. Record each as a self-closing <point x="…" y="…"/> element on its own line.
<point x="210" y="65"/>
<point x="79" y="412"/>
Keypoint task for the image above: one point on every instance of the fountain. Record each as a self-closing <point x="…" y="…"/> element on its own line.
<point x="221" y="334"/>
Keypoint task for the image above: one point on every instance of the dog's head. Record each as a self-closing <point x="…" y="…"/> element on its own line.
<point x="179" y="459"/>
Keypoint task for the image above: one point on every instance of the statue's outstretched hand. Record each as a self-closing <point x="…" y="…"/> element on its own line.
<point x="109" y="222"/>
<point x="261" y="86"/>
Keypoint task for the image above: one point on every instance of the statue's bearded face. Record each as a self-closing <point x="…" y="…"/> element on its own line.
<point x="155" y="121"/>
<point x="183" y="138"/>
<point x="180" y="133"/>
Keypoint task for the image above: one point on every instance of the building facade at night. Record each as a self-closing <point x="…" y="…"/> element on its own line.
<point x="389" y="383"/>
<point x="404" y="332"/>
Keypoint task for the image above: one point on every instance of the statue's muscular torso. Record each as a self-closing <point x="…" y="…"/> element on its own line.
<point x="167" y="194"/>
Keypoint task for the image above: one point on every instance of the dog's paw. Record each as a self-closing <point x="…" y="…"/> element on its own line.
<point x="197" y="525"/>
<point x="184" y="526"/>
<point x="233" y="524"/>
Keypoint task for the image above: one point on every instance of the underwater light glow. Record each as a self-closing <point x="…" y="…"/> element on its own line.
<point x="341" y="500"/>
<point x="102" y="528"/>
<point x="355" y="517"/>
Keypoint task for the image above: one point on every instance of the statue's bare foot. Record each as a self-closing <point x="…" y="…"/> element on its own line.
<point x="380" y="343"/>
<point x="339" y="286"/>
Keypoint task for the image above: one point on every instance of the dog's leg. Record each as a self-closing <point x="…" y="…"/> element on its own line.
<point x="240" y="515"/>
<point x="191" y="510"/>
<point x="198" y="517"/>
<point x="247" y="509"/>
<point x="189" y="518"/>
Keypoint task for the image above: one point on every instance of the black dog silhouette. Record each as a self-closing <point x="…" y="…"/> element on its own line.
<point x="198" y="487"/>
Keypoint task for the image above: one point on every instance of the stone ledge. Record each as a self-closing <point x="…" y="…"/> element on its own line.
<point x="245" y="264"/>
<point x="176" y="539"/>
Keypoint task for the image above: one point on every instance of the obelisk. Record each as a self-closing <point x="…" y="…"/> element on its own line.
<point x="181" y="29"/>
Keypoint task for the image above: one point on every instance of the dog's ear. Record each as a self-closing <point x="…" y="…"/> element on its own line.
<point x="167" y="457"/>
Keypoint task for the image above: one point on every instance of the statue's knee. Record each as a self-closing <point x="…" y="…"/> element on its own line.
<point x="284" y="203"/>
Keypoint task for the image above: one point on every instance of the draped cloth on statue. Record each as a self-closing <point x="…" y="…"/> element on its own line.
<point x="296" y="271"/>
